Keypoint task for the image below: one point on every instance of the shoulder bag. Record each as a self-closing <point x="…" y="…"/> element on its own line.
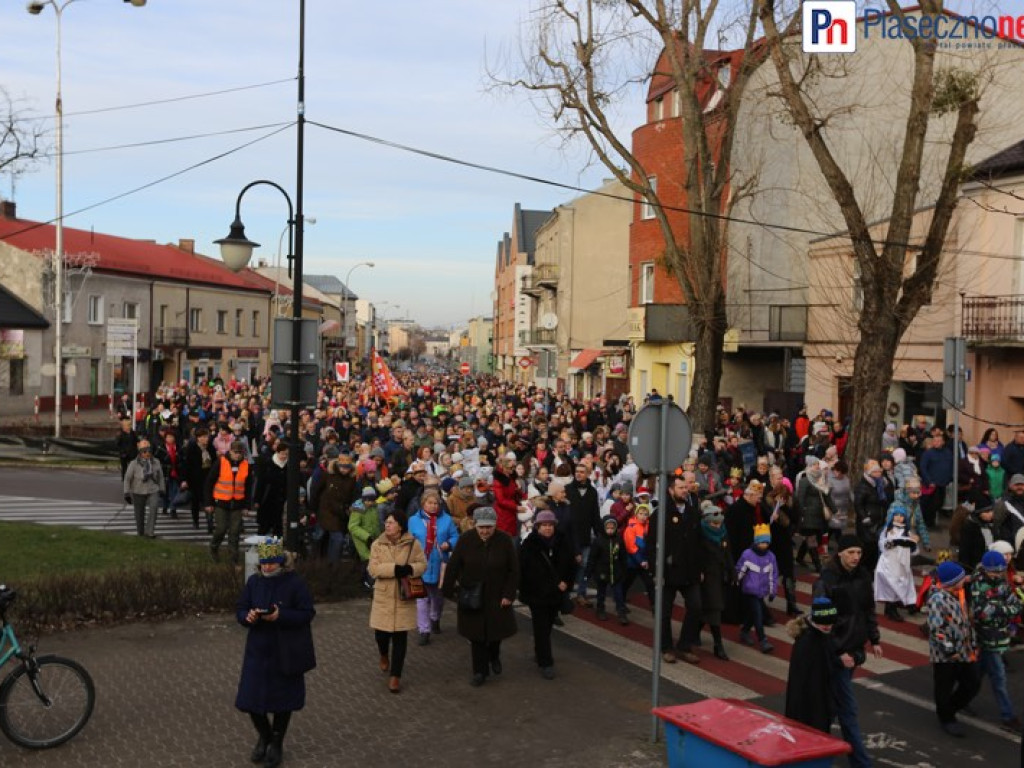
<point x="411" y="587"/>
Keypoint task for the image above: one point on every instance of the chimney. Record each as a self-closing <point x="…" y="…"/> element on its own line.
<point x="187" y="244"/>
<point x="8" y="210"/>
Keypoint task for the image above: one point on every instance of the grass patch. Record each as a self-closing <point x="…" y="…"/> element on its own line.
<point x="68" y="577"/>
<point x="29" y="551"/>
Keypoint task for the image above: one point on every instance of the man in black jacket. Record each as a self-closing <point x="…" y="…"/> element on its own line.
<point x="585" y="514"/>
<point x="127" y="442"/>
<point x="683" y="566"/>
<point x="849" y="586"/>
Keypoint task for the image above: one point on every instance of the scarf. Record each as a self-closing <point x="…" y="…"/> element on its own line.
<point x="431" y="533"/>
<point x="279" y="461"/>
<point x="711" y="533"/>
<point x="879" y="484"/>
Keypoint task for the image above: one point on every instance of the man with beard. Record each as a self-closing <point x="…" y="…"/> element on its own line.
<point x="684" y="557"/>
<point x="585" y="514"/>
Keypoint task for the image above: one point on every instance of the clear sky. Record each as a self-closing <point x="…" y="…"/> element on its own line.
<point x="406" y="70"/>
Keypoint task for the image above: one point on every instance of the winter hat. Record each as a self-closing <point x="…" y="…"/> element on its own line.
<point x="1002" y="547"/>
<point x="994" y="458"/>
<point x="1017" y="479"/>
<point x="710" y="512"/>
<point x="643" y="509"/>
<point x="950" y="574"/>
<point x="611" y="521"/>
<point x="849" y="541"/>
<point x="331" y="451"/>
<point x="912" y="484"/>
<point x="465" y="481"/>
<point x="993" y="561"/>
<point x="707" y="459"/>
<point x="448" y="484"/>
<point x="545" y="516"/>
<point x="483" y="516"/>
<point x="762" y="534"/>
<point x="823" y="612"/>
<point x="899" y="455"/>
<point x="369" y="492"/>
<point x="270" y="550"/>
<point x="627" y="488"/>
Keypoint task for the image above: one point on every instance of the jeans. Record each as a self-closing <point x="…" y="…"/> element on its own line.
<point x="429" y="608"/>
<point x="691" y="622"/>
<point x="617" y="594"/>
<point x="398" y="641"/>
<point x="581" y="576"/>
<point x="336" y="545"/>
<point x="145" y="512"/>
<point x="753" y="615"/>
<point x="543" y="620"/>
<point x="993" y="666"/>
<point x="846" y="710"/>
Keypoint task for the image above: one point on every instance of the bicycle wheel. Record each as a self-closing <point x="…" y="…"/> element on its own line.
<point x="30" y="721"/>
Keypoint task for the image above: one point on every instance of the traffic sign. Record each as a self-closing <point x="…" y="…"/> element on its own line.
<point x="525" y="362"/>
<point x="464" y="369"/>
<point x="645" y="437"/>
<point x="122" y="337"/>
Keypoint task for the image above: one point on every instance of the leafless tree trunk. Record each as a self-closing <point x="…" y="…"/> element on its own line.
<point x="577" y="65"/>
<point x="891" y="298"/>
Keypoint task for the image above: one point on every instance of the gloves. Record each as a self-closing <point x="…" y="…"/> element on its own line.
<point x="771" y="598"/>
<point x="127" y="498"/>
<point x="401" y="571"/>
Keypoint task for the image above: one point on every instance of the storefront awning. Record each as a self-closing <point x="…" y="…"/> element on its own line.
<point x="585" y="359"/>
<point x="329" y="326"/>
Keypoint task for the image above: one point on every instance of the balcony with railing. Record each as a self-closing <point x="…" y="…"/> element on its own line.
<point x="994" y="320"/>
<point x="787" y="322"/>
<point x="537" y="337"/>
<point x="170" y="337"/>
<point x="543" y="276"/>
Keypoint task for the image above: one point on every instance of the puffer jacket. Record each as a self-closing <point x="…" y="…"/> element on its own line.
<point x="758" y="573"/>
<point x="364" y="525"/>
<point x="994" y="606"/>
<point x="446" y="531"/>
<point x="635" y="539"/>
<point x="950" y="634"/>
<point x="389" y="612"/>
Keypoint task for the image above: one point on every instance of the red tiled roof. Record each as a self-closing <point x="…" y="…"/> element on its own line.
<point x="129" y="257"/>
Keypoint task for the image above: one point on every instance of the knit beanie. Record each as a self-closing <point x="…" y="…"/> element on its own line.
<point x="993" y="561"/>
<point x="950" y="574"/>
<point x="1002" y="547"/>
<point x="823" y="612"/>
<point x="849" y="541"/>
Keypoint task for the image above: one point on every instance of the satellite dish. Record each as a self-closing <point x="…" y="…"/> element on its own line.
<point x="549" y="321"/>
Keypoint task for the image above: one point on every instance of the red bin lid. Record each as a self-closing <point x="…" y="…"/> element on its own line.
<point x="756" y="734"/>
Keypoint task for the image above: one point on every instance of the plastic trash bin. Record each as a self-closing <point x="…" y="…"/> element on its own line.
<point x="252" y="555"/>
<point x="728" y="733"/>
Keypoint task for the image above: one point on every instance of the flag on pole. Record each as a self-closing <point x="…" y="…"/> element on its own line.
<point x="384" y="382"/>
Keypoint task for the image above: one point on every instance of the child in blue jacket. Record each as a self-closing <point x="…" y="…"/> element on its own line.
<point x="758" y="574"/>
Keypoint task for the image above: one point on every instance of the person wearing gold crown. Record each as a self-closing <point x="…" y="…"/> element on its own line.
<point x="276" y="608"/>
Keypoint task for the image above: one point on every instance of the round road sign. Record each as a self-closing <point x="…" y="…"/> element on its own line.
<point x="464" y="369"/>
<point x="525" y="362"/>
<point x="645" y="437"/>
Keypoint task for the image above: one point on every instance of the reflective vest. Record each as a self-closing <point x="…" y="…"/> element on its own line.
<point x="230" y="485"/>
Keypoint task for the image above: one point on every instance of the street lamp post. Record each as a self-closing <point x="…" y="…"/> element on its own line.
<point x="350" y="293"/>
<point x="35" y="7"/>
<point x="236" y="250"/>
<point x="277" y="264"/>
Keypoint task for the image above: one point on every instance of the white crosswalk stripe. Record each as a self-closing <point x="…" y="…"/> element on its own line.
<point x="97" y="516"/>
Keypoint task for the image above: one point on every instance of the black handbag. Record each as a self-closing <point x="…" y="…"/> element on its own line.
<point x="471" y="598"/>
<point x="568" y="604"/>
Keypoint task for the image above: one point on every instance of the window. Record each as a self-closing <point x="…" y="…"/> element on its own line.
<point x="222" y="321"/>
<point x="659" y="103"/>
<point x="238" y="322"/>
<point x="195" y="320"/>
<point x="647" y="283"/>
<point x="163" y="315"/>
<point x="131" y="311"/>
<point x="95" y="310"/>
<point x="256" y="323"/>
<point x="677" y="103"/>
<point x="17" y="377"/>
<point x="646" y="209"/>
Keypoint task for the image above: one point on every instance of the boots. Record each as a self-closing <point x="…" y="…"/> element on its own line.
<point x="892" y="611"/>
<point x="259" y="752"/>
<point x="275" y="752"/>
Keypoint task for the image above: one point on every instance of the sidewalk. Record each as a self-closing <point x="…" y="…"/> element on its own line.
<point x="165" y="697"/>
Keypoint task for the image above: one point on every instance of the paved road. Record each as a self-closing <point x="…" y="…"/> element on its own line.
<point x="895" y="693"/>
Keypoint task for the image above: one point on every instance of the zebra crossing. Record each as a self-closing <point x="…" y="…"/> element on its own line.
<point x="748" y="674"/>
<point x="114" y="517"/>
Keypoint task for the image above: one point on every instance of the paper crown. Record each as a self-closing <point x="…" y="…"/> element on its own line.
<point x="271" y="550"/>
<point x="762" y="533"/>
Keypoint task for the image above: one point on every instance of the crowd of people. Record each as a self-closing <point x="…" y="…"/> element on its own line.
<point x="486" y="492"/>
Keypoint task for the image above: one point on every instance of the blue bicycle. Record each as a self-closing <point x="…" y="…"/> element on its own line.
<point x="45" y="700"/>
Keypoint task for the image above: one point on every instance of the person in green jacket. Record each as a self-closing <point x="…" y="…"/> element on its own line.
<point x="996" y="477"/>
<point x="364" y="526"/>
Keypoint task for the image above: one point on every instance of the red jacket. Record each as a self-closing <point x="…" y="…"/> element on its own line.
<point x="507" y="496"/>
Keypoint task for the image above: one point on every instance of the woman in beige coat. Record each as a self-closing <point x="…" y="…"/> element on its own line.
<point x="394" y="555"/>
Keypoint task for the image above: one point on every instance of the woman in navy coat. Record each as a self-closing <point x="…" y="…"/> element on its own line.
<point x="277" y="609"/>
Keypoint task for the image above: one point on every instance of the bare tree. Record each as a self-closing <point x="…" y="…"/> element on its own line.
<point x="22" y="140"/>
<point x="892" y="295"/>
<point x="576" y="64"/>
